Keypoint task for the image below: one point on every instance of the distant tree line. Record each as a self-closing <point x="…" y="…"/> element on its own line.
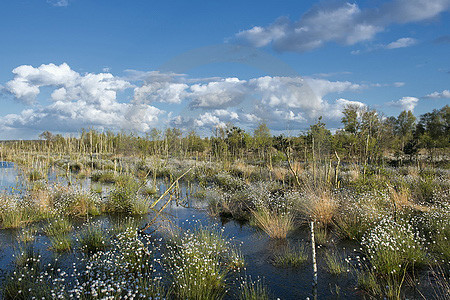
<point x="366" y="137"/>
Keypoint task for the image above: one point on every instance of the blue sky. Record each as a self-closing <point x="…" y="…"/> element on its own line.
<point x="135" y="65"/>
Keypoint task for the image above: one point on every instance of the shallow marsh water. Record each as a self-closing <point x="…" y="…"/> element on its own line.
<point x="256" y="247"/>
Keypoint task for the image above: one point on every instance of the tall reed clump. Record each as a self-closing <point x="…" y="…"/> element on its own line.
<point x="35" y="175"/>
<point x="334" y="263"/>
<point x="127" y="223"/>
<point x="322" y="236"/>
<point x="270" y="210"/>
<point x="13" y="218"/>
<point x="315" y="203"/>
<point x="275" y="224"/>
<point x="27" y="235"/>
<point x="40" y="196"/>
<point x="291" y="256"/>
<point x="61" y="243"/>
<point x="59" y="226"/>
<point x="104" y="177"/>
<point x="198" y="264"/>
<point x="385" y="287"/>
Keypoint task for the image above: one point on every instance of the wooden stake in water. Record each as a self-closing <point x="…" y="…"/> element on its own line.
<point x="313" y="245"/>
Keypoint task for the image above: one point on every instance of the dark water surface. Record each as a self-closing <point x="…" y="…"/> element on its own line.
<point x="257" y="248"/>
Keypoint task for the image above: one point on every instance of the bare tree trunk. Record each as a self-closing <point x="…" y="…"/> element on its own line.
<point x="337" y="170"/>
<point x="313" y="245"/>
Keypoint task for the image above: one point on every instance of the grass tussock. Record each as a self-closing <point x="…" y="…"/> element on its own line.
<point x="93" y="239"/>
<point x="126" y="198"/>
<point x="322" y="235"/>
<point x="316" y="203"/>
<point x="14" y="218"/>
<point x="393" y="247"/>
<point x="61" y="243"/>
<point x="197" y="264"/>
<point x="104" y="177"/>
<point x="58" y="227"/>
<point x="252" y="290"/>
<point x="334" y="263"/>
<point x="291" y="257"/>
<point x="35" y="175"/>
<point x="27" y="235"/>
<point x="72" y="201"/>
<point x="275" y="224"/>
<point x="25" y="281"/>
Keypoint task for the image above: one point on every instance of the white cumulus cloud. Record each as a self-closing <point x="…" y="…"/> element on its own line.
<point x="343" y="23"/>
<point x="208" y="120"/>
<point x="439" y="95"/>
<point x="401" y="43"/>
<point x="160" y="92"/>
<point x="218" y="94"/>
<point x="76" y="101"/>
<point x="139" y="101"/>
<point x="405" y="103"/>
<point x="58" y="3"/>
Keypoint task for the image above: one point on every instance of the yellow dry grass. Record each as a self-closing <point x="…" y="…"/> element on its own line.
<point x="245" y="169"/>
<point x="318" y="203"/>
<point x="41" y="198"/>
<point x="402" y="200"/>
<point x="280" y="173"/>
<point x="276" y="225"/>
<point x="354" y="172"/>
<point x="323" y="208"/>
